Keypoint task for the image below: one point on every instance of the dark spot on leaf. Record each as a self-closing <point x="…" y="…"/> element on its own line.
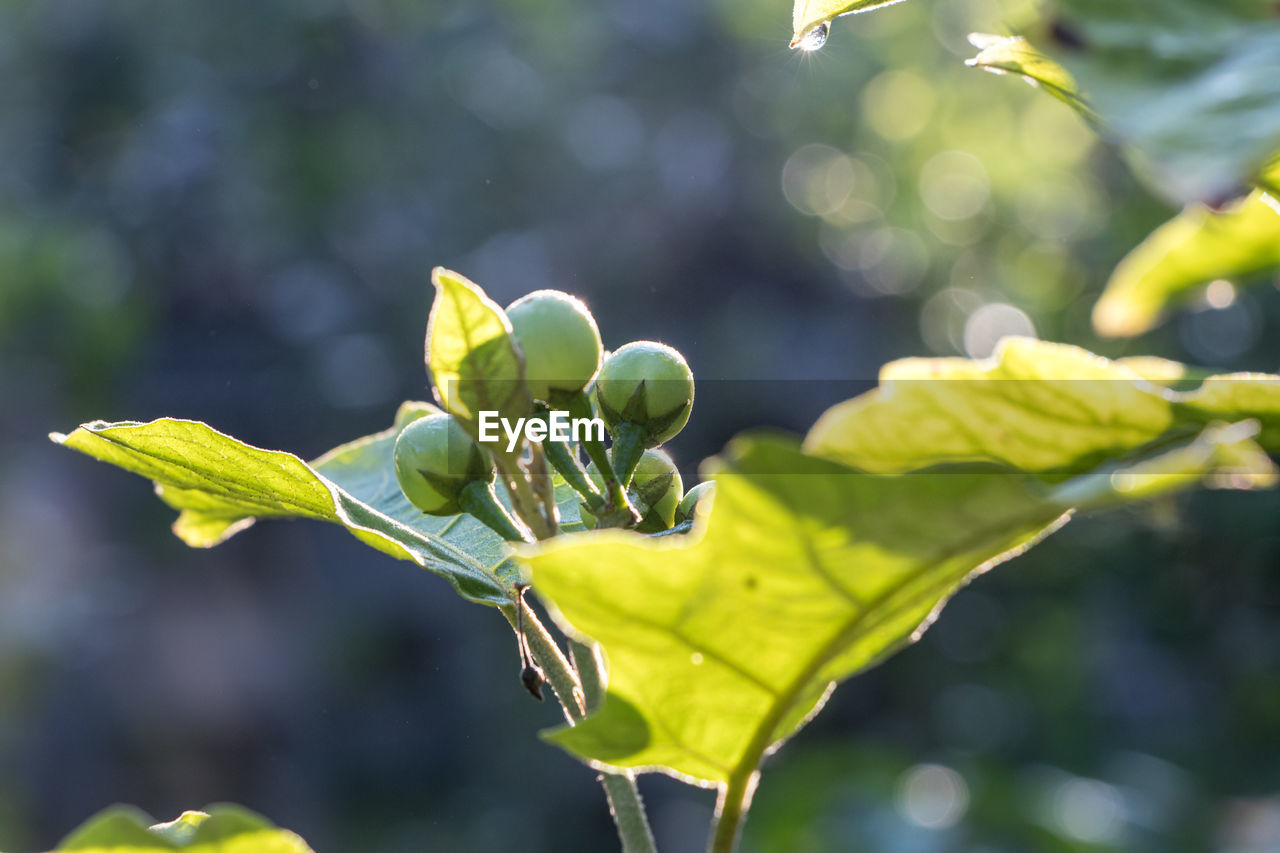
<point x="751" y="582"/>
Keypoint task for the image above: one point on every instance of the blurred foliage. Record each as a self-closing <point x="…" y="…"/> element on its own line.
<point x="222" y="829"/>
<point x="228" y="212"/>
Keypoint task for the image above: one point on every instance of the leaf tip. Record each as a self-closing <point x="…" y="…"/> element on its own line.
<point x="58" y="437"/>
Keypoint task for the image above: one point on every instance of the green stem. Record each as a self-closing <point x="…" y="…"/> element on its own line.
<point x="523" y="499"/>
<point x="544" y="487"/>
<point x="620" y="788"/>
<point x="586" y="659"/>
<point x="564" y="461"/>
<point x="731" y="811"/>
<point x="580" y="407"/>
<point x="477" y="499"/>
<point x="628" y="813"/>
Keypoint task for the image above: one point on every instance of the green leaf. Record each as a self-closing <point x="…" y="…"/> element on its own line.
<point x="1015" y="55"/>
<point x="808" y="15"/>
<point x="805" y="572"/>
<point x="221" y="485"/>
<point x="220" y="829"/>
<point x="472" y="357"/>
<point x="1193" y="85"/>
<point x="1041" y="407"/>
<point x="1195" y="248"/>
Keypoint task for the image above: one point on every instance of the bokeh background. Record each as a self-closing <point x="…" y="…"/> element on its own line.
<point x="227" y="211"/>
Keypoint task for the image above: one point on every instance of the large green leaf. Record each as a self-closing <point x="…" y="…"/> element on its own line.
<point x="472" y="357"/>
<point x="220" y="829"/>
<point x="1195" y="248"/>
<point x="805" y="572"/>
<point x="1041" y="407"/>
<point x="221" y="485"/>
<point x="808" y="15"/>
<point x="1194" y="85"/>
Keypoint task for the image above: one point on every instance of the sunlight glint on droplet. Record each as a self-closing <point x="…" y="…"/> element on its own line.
<point x="815" y="38"/>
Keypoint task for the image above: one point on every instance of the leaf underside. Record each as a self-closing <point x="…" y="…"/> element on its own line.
<point x="807" y="571"/>
<point x="1191" y="86"/>
<point x="221" y="485"/>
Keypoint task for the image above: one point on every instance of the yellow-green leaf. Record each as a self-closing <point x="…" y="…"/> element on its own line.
<point x="1040" y="407"/>
<point x="1195" y="248"/>
<point x="808" y="15"/>
<point x="220" y="829"/>
<point x="1015" y="55"/>
<point x="221" y="485"/>
<point x="805" y="572"/>
<point x="472" y="357"/>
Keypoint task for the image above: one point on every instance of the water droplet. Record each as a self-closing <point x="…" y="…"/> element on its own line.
<point x="696" y="658"/>
<point x="815" y="38"/>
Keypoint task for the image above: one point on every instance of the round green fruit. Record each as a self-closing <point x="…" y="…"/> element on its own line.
<point x="648" y="384"/>
<point x="655" y="491"/>
<point x="689" y="503"/>
<point x="434" y="459"/>
<point x="560" y="342"/>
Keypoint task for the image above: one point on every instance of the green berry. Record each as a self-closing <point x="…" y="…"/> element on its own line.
<point x="434" y="460"/>
<point x="689" y="503"/>
<point x="560" y="341"/>
<point x="648" y="384"/>
<point x="655" y="491"/>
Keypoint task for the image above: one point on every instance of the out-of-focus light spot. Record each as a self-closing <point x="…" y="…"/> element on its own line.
<point x="1220" y="294"/>
<point x="1058" y="207"/>
<point x="986" y="326"/>
<point x="1044" y="275"/>
<point x="1220" y="334"/>
<point x="818" y="179"/>
<point x="605" y="133"/>
<point x="356" y="372"/>
<point x="696" y="658"/>
<point x="933" y="796"/>
<point x="892" y="261"/>
<point x="501" y="90"/>
<point x="1087" y="810"/>
<point x="898" y="104"/>
<point x="942" y="318"/>
<point x="1250" y="826"/>
<point x="954" y="185"/>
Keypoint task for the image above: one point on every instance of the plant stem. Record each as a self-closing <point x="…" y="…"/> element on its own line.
<point x="731" y="811"/>
<point x="523" y="501"/>
<point x="628" y="813"/>
<point x="587" y="661"/>
<point x="620" y="788"/>
<point x="543" y="486"/>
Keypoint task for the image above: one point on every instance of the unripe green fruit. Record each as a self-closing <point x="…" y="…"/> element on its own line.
<point x="655" y="491"/>
<point x="560" y="341"/>
<point x="648" y="384"/>
<point x="689" y="503"/>
<point x="434" y="460"/>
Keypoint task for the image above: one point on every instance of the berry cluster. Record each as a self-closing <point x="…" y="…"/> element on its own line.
<point x="643" y="394"/>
